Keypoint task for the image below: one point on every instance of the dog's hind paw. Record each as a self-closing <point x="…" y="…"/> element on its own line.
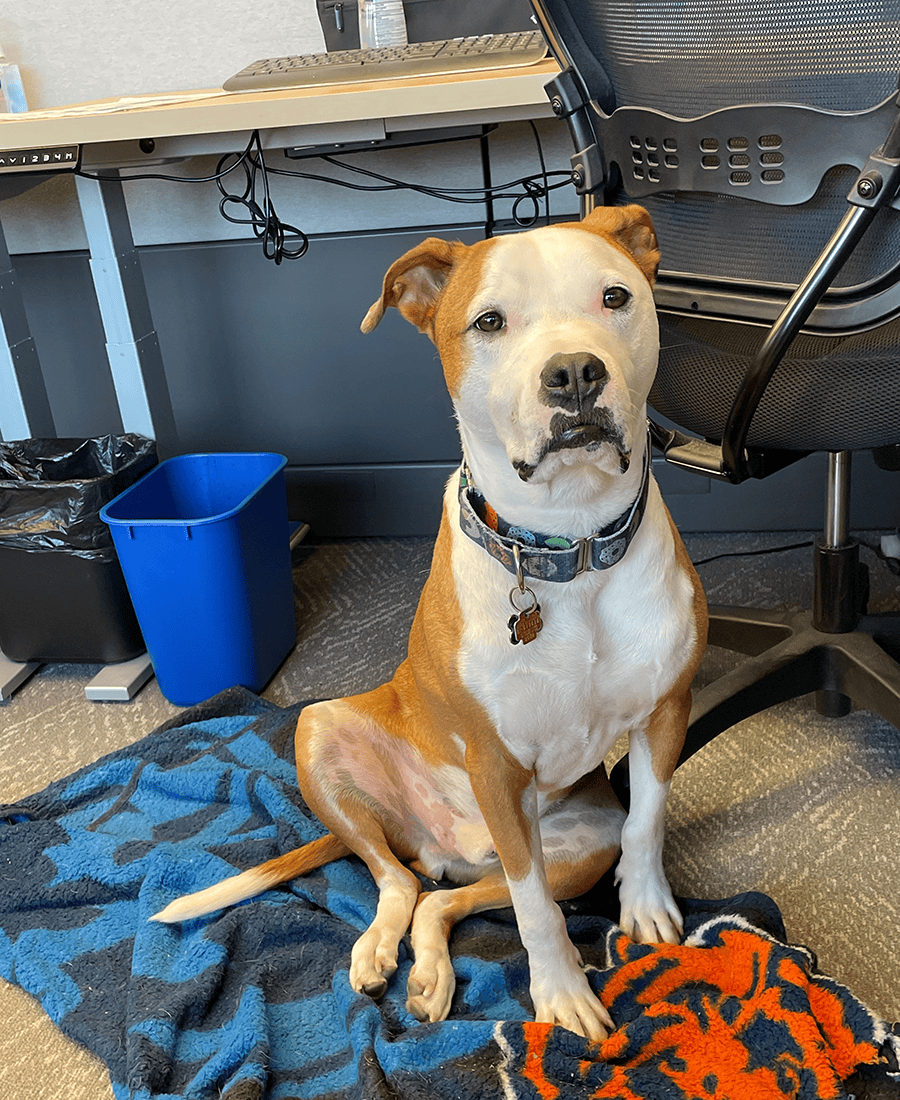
<point x="372" y="962"/>
<point x="430" y="988"/>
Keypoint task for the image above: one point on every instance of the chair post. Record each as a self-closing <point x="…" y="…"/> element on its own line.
<point x="837" y="501"/>
<point x="840" y="584"/>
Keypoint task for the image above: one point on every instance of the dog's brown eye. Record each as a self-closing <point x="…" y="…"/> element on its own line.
<point x="615" y="297"/>
<point x="492" y="321"/>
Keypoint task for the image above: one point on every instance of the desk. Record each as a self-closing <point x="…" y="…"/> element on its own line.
<point x="436" y="101"/>
<point x="149" y="136"/>
<point x="209" y="122"/>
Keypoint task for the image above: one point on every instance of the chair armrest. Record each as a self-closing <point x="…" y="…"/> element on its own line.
<point x="699" y="456"/>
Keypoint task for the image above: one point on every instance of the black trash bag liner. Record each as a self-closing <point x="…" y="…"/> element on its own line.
<point x="52" y="490"/>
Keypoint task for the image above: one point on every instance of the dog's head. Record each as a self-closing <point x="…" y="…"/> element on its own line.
<point x="548" y="339"/>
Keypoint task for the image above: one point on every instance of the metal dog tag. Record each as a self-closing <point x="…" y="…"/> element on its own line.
<point x="525" y="626"/>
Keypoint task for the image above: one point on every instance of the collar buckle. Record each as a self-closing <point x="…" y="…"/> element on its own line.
<point x="585" y="561"/>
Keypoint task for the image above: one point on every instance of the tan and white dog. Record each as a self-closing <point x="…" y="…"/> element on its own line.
<point x="481" y="761"/>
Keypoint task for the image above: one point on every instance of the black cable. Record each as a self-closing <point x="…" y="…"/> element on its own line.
<point x="241" y="158"/>
<point x="484" y="148"/>
<point x="533" y="191"/>
<point x="262" y="219"/>
<point x="449" y="192"/>
<point x="891" y="564"/>
<point x="268" y="227"/>
<point x="756" y="553"/>
<point x="544" y="174"/>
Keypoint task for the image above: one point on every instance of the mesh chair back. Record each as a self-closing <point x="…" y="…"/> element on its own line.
<point x="688" y="58"/>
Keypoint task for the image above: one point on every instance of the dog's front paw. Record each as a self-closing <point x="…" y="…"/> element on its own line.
<point x="568" y="1000"/>
<point x="649" y="913"/>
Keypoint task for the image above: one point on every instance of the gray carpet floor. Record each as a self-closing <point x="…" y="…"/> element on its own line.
<point x="802" y="807"/>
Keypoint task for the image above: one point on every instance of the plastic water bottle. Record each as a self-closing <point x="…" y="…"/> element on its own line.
<point x="11" y="86"/>
<point x="381" y="23"/>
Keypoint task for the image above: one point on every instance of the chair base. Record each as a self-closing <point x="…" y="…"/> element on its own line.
<point x="788" y="657"/>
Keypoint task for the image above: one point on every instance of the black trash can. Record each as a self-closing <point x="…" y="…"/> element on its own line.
<point x="62" y="593"/>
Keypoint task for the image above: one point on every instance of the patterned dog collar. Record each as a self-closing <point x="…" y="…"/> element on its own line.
<point x="549" y="557"/>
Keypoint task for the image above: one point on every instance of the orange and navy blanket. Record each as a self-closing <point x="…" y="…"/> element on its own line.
<point x="732" y="1013"/>
<point x="254" y="1002"/>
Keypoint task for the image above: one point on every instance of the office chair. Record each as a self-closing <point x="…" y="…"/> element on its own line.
<point x="764" y="139"/>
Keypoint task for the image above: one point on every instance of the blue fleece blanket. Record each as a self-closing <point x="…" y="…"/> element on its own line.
<point x="254" y="1002"/>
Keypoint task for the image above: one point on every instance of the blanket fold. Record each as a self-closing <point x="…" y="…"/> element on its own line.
<point x="254" y="1002"/>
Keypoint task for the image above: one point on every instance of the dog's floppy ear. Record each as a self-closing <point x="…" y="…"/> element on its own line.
<point x="414" y="284"/>
<point x="631" y="228"/>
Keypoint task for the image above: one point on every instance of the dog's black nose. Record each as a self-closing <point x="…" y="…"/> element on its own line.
<point x="573" y="380"/>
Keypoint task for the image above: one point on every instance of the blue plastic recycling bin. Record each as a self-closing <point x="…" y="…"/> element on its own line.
<point x="203" y="544"/>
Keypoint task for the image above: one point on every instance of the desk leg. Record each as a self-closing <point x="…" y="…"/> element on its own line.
<point x="134" y="359"/>
<point x="24" y="407"/>
<point x="117" y="683"/>
<point x="131" y="342"/>
<point x="13" y="674"/>
<point x="120" y="683"/>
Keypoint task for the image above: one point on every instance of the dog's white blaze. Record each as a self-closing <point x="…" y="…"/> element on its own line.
<point x="502" y="419"/>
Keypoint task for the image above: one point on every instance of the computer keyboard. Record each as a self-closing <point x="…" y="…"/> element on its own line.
<point x="452" y="55"/>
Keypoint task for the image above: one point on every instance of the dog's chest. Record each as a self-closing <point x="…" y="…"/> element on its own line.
<point x="611" y="646"/>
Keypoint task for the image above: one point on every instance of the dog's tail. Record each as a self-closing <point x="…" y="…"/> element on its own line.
<point x="250" y="883"/>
